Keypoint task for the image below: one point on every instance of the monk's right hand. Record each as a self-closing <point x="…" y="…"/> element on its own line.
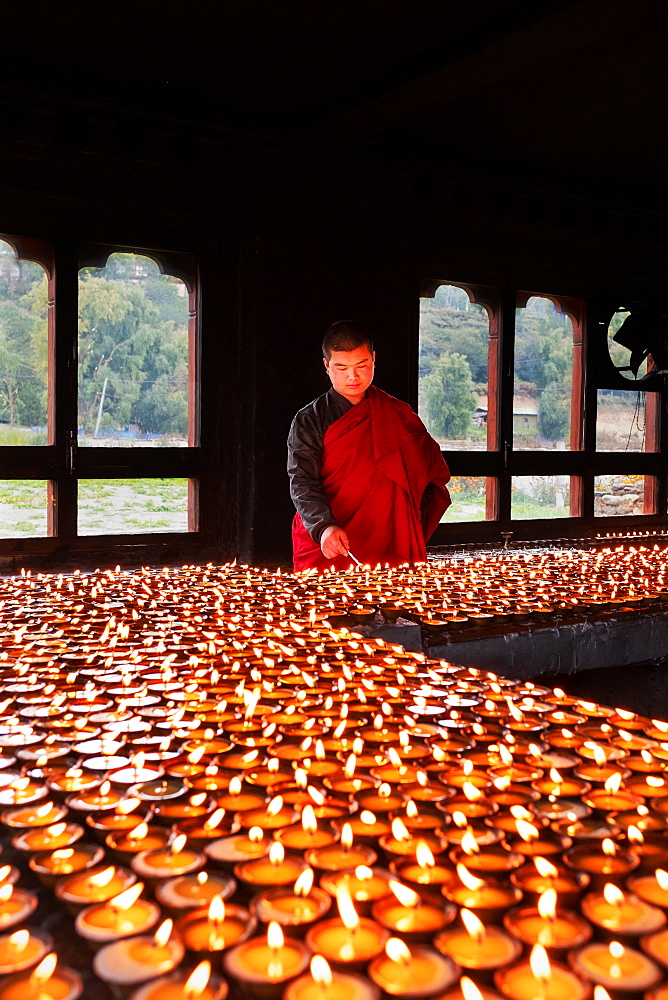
<point x="334" y="542"/>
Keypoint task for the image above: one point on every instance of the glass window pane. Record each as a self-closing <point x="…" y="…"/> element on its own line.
<point x="24" y="308"/>
<point x="453" y="376"/>
<point x="540" y="496"/>
<point x="619" y="494"/>
<point x="543" y="377"/>
<point x="23" y="508"/>
<point x="133" y="355"/>
<point x="621" y="420"/>
<point x="468" y="495"/>
<point x="132" y="506"/>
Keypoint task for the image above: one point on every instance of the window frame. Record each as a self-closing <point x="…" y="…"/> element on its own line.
<point x="61" y="462"/>
<point x="590" y="316"/>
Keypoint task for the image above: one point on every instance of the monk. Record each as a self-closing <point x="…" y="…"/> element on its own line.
<point x="365" y="475"/>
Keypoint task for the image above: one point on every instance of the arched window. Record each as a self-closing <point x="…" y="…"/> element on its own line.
<point x="133" y="355"/>
<point x="24" y="350"/>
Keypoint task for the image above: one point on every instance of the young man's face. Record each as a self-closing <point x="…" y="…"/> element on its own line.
<point x="351" y="372"/>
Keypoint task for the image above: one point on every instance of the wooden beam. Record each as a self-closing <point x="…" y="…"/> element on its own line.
<point x="497" y="55"/>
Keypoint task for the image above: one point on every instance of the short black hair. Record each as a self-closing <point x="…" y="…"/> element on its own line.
<point x="345" y="335"/>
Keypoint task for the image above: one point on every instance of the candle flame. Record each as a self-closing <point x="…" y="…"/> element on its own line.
<point x="178" y="843"/>
<point x="128" y="898"/>
<point x="472" y="793"/>
<point x="545" y="868"/>
<point x="6" y="892"/>
<point x="349" y="769"/>
<point x="234" y="786"/>
<point x="5" y="872"/>
<point x="507" y="757"/>
<point x="275" y="806"/>
<point x="600" y="993"/>
<point x="43" y="972"/>
<point x="321" y="971"/>
<point x="473" y="924"/>
<point x="467" y="879"/>
<point x="397" y="950"/>
<point x="162" y="935"/>
<point x="469" y="989"/>
<point x="309" y="820"/>
<point x="654" y="781"/>
<point x="623" y="714"/>
<point x="527" y="831"/>
<point x="539" y="962"/>
<point x="612" y="894"/>
<point x="127" y="806"/>
<point x="197" y="981"/>
<point x="459" y="819"/>
<point x="616" y="953"/>
<point x="362" y="873"/>
<point x="424" y="856"/>
<point x="255" y="834"/>
<point x="609" y="847"/>
<point x="635" y="835"/>
<point x="56" y="830"/>
<point x="214" y="820"/>
<point x="406" y="896"/>
<point x="275" y="938"/>
<point x="103" y="878"/>
<point x="104" y="789"/>
<point x="347" y="911"/>
<point x="216" y="911"/>
<point x="304" y="883"/>
<point x="18" y="941"/>
<point x="613" y="783"/>
<point x="662" y="878"/>
<point x="598" y="752"/>
<point x="399" y="831"/>
<point x="547" y="904"/>
<point x="139" y="833"/>
<point x="276" y="853"/>
<point x="469" y="843"/>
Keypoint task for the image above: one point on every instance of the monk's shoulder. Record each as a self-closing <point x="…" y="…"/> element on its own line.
<point x="399" y="406"/>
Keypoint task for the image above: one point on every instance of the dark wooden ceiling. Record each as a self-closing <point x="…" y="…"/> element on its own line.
<point x="561" y="96"/>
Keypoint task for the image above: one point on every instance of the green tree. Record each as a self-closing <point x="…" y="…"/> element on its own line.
<point x="164" y="407"/>
<point x="133" y="340"/>
<point x="554" y="412"/>
<point x="23" y="345"/>
<point x="448" y="399"/>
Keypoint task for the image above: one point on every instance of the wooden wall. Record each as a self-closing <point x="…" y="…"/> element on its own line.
<point x="289" y="239"/>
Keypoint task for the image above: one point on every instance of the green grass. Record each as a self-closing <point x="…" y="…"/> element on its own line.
<point x="13" y="436"/>
<point x="106" y="506"/>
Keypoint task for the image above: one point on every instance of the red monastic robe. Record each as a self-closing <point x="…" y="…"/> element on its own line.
<point x="377" y="460"/>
